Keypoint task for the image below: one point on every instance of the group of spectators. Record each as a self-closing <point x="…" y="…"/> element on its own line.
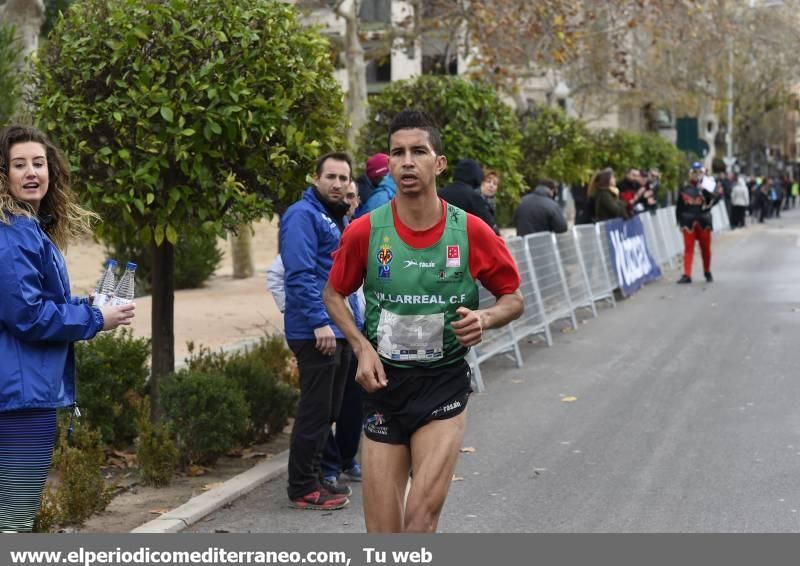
<point x="759" y="197"/>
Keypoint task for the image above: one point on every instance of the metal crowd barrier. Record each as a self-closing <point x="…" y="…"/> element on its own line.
<point x="566" y="272"/>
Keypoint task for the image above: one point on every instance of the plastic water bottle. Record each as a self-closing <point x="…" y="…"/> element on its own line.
<point x="124" y="292"/>
<point x="105" y="286"/>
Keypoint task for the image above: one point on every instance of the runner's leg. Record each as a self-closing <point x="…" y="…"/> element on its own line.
<point x="434" y="454"/>
<point x="385" y="470"/>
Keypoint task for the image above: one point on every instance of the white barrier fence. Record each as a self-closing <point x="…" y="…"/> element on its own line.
<point x="566" y="272"/>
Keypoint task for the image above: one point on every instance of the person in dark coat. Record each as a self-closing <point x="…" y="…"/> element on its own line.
<point x="464" y="191"/>
<point x="538" y="212"/>
<point x="693" y="213"/>
<point x="604" y="193"/>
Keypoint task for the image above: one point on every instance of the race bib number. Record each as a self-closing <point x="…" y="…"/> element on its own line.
<point x="410" y="337"/>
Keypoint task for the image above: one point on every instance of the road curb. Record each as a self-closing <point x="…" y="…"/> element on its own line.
<point x="203" y="505"/>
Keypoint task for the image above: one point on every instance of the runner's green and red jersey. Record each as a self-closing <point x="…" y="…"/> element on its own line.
<point x="415" y="280"/>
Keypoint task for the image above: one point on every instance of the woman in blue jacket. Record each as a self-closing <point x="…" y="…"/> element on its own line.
<point x="39" y="320"/>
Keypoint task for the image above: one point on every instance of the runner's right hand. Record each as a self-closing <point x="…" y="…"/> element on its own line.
<point x="370" y="374"/>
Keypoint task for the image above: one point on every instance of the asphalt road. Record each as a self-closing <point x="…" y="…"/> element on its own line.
<point x="686" y="416"/>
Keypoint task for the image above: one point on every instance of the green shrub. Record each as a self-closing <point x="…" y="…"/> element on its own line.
<point x="155" y="450"/>
<point x="622" y="149"/>
<point x="112" y="373"/>
<point x="263" y="373"/>
<point x="555" y="146"/>
<point x="271" y="401"/>
<point x="49" y="513"/>
<point x="81" y="488"/>
<point x="474" y="121"/>
<point x="196" y="259"/>
<point x="208" y="415"/>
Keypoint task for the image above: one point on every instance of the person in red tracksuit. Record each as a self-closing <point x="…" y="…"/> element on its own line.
<point x="693" y="212"/>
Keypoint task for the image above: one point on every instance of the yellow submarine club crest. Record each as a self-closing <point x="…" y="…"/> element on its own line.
<point x="385" y="257"/>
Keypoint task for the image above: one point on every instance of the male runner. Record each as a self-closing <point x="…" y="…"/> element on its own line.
<point x="418" y="259"/>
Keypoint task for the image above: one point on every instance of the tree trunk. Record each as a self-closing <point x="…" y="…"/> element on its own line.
<point x="163" y="325"/>
<point x="241" y="252"/>
<point x="27" y="17"/>
<point x="356" y="98"/>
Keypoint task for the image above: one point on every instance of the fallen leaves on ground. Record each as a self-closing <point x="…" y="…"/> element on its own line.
<point x="468" y="449"/>
<point x="122" y="460"/>
<point x="569" y="399"/>
<point x="212" y="485"/>
<point x="195" y="470"/>
<point x="457" y="478"/>
<point x="158" y="511"/>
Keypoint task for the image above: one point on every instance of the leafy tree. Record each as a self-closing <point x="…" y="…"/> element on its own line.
<point x="186" y="115"/>
<point x="474" y="121"/>
<point x="555" y="146"/>
<point x="669" y="160"/>
<point x="622" y="149"/>
<point x="9" y="73"/>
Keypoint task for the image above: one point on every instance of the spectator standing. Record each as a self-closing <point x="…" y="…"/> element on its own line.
<point x="464" y="191"/>
<point x="341" y="447"/>
<point x="631" y="190"/>
<point x="652" y="183"/>
<point x="604" y="193"/>
<point x="489" y="186"/>
<point x="310" y="232"/>
<point x="762" y="201"/>
<point x="275" y="275"/>
<point x="538" y="212"/>
<point x="740" y="201"/>
<point x="365" y="188"/>
<point x="385" y="187"/>
<point x="419" y="260"/>
<point x="39" y="319"/>
<point x="775" y="197"/>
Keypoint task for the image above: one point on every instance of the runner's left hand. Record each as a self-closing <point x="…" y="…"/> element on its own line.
<point x="468" y="330"/>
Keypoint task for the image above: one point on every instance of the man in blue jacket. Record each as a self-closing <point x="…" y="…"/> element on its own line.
<point x="310" y="232"/>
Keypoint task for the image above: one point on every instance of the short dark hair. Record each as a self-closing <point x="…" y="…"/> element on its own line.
<point x="409" y="119"/>
<point x="336" y="156"/>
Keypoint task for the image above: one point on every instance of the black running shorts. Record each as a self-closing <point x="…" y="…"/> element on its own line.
<point x="413" y="398"/>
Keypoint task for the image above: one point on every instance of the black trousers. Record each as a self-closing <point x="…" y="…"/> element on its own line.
<point x="341" y="448"/>
<point x="322" y="381"/>
<point x="737" y="216"/>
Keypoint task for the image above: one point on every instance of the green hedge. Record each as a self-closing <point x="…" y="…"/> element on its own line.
<point x="208" y="416"/>
<point x="111" y="374"/>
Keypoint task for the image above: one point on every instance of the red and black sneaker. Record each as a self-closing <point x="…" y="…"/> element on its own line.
<point x="320" y="500"/>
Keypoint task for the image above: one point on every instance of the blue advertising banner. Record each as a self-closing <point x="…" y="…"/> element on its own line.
<point x="629" y="255"/>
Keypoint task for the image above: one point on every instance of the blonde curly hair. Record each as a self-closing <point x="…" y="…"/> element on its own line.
<point x="65" y="219"/>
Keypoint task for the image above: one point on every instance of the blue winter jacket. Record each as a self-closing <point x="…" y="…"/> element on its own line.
<point x="382" y="194"/>
<point x="308" y="237"/>
<point x="39" y="320"/>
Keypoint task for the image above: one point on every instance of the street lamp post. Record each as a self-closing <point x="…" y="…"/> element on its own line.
<point x="729" y="158"/>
